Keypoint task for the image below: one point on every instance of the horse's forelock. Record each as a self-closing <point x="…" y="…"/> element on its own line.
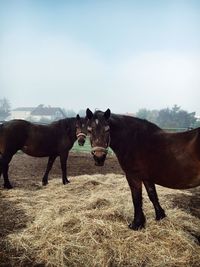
<point x="98" y="114"/>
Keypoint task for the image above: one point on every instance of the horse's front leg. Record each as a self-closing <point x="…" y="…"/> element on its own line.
<point x="49" y="167"/>
<point x="151" y="190"/>
<point x="63" y="162"/>
<point x="136" y="191"/>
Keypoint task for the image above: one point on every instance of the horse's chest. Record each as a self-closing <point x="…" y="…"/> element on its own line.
<point x="133" y="165"/>
<point x="64" y="144"/>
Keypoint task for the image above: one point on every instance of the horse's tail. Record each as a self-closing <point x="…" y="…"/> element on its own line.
<point x="1" y="127"/>
<point x="197" y="143"/>
<point x="1" y="163"/>
<point x="1" y="131"/>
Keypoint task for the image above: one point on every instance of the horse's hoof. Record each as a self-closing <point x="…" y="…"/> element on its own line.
<point x="160" y="215"/>
<point x="66" y="182"/>
<point x="8" y="186"/>
<point x="44" y="183"/>
<point x="136" y="226"/>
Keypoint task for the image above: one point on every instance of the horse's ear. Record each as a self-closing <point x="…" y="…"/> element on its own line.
<point x="107" y="114"/>
<point x="89" y="114"/>
<point x="78" y="117"/>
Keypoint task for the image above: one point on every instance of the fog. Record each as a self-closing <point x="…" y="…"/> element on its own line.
<point x="123" y="55"/>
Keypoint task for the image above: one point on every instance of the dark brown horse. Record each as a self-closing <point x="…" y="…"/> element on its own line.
<point x="147" y="155"/>
<point x="55" y="139"/>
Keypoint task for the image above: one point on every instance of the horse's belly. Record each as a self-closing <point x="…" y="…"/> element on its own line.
<point x="33" y="152"/>
<point x="193" y="182"/>
<point x="178" y="172"/>
<point x="179" y="182"/>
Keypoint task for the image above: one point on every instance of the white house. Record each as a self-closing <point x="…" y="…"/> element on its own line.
<point x="21" y="113"/>
<point x="40" y="113"/>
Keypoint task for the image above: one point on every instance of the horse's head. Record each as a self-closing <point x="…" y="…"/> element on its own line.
<point x="81" y="130"/>
<point x="99" y="132"/>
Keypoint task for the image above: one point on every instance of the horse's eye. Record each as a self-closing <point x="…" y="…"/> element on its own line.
<point x="107" y="128"/>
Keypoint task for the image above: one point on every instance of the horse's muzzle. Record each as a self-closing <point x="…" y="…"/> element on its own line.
<point x="81" y="139"/>
<point x="99" y="156"/>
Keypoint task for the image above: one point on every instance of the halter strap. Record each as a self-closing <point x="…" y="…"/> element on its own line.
<point x="100" y="149"/>
<point x="81" y="134"/>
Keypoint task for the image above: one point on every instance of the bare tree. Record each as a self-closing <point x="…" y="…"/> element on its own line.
<point x="4" y="108"/>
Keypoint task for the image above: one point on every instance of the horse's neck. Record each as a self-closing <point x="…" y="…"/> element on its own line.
<point x="70" y="124"/>
<point x="117" y="136"/>
<point x="125" y="132"/>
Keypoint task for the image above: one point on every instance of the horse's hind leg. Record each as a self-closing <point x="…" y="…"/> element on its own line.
<point x="7" y="183"/>
<point x="151" y="190"/>
<point x="5" y="167"/>
<point x="49" y="166"/>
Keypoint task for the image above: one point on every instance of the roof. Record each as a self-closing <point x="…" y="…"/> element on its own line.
<point x="24" y="109"/>
<point x="47" y="111"/>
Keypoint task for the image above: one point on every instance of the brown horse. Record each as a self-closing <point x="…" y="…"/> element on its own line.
<point x="55" y="139"/>
<point x="147" y="155"/>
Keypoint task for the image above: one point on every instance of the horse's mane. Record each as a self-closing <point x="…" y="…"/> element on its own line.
<point x="67" y="124"/>
<point x="119" y="119"/>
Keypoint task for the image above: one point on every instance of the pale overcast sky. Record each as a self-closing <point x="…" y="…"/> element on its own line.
<point x="124" y="55"/>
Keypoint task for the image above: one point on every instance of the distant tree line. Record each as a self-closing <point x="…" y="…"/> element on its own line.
<point x="170" y="118"/>
<point x="174" y="117"/>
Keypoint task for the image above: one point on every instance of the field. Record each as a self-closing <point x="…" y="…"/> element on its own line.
<point x="85" y="222"/>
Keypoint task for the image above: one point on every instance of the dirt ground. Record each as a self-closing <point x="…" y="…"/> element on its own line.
<point x="26" y="171"/>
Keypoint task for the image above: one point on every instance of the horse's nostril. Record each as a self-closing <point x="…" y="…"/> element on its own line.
<point x="99" y="160"/>
<point x="82" y="140"/>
